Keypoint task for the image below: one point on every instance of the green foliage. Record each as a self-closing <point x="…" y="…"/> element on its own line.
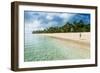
<point x="68" y="27"/>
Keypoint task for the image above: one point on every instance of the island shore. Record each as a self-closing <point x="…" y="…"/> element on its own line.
<point x="80" y="37"/>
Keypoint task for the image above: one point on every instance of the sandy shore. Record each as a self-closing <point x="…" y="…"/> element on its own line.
<point x="80" y="37"/>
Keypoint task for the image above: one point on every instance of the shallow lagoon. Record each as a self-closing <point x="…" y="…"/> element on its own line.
<point x="44" y="48"/>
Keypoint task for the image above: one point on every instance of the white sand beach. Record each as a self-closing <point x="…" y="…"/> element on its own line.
<point x="80" y="37"/>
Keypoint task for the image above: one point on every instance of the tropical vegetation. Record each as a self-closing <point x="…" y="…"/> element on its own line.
<point x="79" y="26"/>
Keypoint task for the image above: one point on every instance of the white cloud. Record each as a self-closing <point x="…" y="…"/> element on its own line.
<point x="49" y="17"/>
<point x="53" y="23"/>
<point x="64" y="16"/>
<point x="33" y="26"/>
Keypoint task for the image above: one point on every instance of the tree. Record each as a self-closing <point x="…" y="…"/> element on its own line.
<point x="79" y="26"/>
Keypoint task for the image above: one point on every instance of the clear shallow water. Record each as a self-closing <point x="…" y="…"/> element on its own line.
<point x="43" y="48"/>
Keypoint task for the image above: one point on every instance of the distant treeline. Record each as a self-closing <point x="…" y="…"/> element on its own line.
<point x="68" y="27"/>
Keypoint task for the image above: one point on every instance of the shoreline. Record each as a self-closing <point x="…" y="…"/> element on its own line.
<point x="72" y="37"/>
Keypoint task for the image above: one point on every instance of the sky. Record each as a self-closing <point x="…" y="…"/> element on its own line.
<point x="35" y="20"/>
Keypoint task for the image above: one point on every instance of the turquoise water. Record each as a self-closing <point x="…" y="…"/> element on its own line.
<point x="44" y="48"/>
